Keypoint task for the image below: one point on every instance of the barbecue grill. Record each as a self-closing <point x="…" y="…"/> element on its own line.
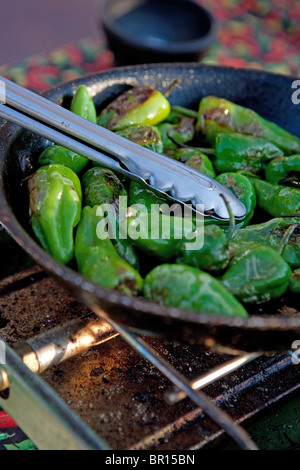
<point x="78" y="377"/>
<point x="108" y="396"/>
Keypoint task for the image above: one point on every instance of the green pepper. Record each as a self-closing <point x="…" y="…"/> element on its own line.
<point x="102" y="186"/>
<point x="83" y="105"/>
<point x="284" y="171"/>
<point x="276" y="200"/>
<point x="141" y="194"/>
<point x="193" y="158"/>
<point x="139" y="105"/>
<point x="179" y="133"/>
<point x="55" y="209"/>
<point x="257" y="275"/>
<point x="243" y="152"/>
<point x="213" y="256"/>
<point x="202" y="163"/>
<point x="61" y="155"/>
<point x="159" y="234"/>
<point x="146" y="136"/>
<point x="220" y="116"/>
<point x="295" y="281"/>
<point x="244" y="190"/>
<point x="189" y="288"/>
<point x="98" y="260"/>
<point x="269" y="233"/>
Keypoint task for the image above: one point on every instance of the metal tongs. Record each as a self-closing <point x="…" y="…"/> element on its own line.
<point x="164" y="175"/>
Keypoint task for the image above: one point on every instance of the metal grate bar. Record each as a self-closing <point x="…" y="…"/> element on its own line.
<point x="237" y="433"/>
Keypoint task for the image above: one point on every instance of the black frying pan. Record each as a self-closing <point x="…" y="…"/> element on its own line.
<point x="273" y="326"/>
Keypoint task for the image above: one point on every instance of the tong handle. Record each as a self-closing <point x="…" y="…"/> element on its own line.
<point x="165" y="175"/>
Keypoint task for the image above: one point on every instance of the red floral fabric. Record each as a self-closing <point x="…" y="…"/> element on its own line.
<point x="262" y="34"/>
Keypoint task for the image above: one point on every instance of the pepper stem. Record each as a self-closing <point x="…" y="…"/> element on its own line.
<point x="171" y="86"/>
<point x="285" y="239"/>
<point x="185" y="111"/>
<point x="231" y="217"/>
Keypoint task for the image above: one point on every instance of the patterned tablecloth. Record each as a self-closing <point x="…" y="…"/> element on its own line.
<point x="263" y="34"/>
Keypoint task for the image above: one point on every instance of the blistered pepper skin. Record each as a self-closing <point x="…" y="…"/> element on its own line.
<point x="141" y="194"/>
<point x="83" y="105"/>
<point x="98" y="260"/>
<point x="269" y="233"/>
<point x="181" y="132"/>
<point x="214" y="254"/>
<point x="56" y="154"/>
<point x="243" y="189"/>
<point x="284" y="170"/>
<point x="55" y="209"/>
<point x="193" y="158"/>
<point x="141" y="105"/>
<point x="257" y="275"/>
<point x="102" y="186"/>
<point x="243" y="152"/>
<point x="146" y="136"/>
<point x="276" y="200"/>
<point x="189" y="288"/>
<point x="218" y="116"/>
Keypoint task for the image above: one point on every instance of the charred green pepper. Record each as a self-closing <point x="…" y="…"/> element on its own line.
<point x="139" y="105"/>
<point x="102" y="186"/>
<point x="193" y="158"/>
<point x="146" y="136"/>
<point x="271" y="234"/>
<point x="284" y="171"/>
<point x="244" y="190"/>
<point x="189" y="288"/>
<point x="295" y="281"/>
<point x="141" y="194"/>
<point x="276" y="200"/>
<point x="55" y="209"/>
<point x="202" y="163"/>
<point x="213" y="256"/>
<point x="243" y="152"/>
<point x="179" y="133"/>
<point x="257" y="275"/>
<point x="219" y="116"/>
<point x="98" y="260"/>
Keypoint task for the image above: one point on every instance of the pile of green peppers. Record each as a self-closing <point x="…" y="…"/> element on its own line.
<point x="249" y="262"/>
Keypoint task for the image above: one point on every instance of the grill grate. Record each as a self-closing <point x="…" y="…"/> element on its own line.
<point x="119" y="394"/>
